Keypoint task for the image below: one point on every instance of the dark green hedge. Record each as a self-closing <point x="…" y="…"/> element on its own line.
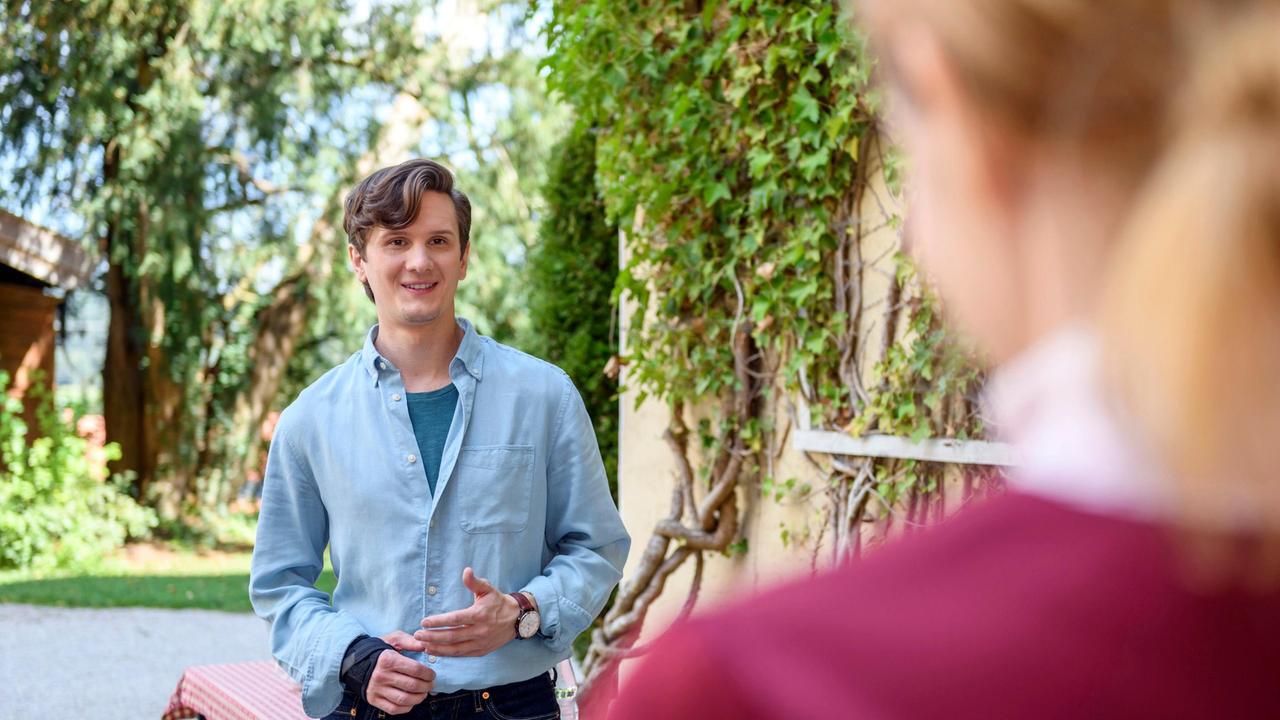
<point x="571" y="273"/>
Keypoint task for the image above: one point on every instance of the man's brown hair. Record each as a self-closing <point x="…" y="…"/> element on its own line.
<point x="390" y="198"/>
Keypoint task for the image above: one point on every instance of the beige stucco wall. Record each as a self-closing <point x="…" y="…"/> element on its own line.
<point x="646" y="467"/>
<point x="647" y="472"/>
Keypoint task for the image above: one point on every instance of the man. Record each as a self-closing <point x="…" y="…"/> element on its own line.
<point x="456" y="482"/>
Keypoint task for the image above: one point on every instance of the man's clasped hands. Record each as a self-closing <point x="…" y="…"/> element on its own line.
<point x="399" y="683"/>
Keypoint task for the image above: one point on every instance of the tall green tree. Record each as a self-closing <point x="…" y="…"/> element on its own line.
<point x="571" y="278"/>
<point x="188" y="134"/>
<point x="208" y="145"/>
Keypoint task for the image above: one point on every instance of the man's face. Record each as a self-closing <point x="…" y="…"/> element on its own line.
<point x="414" y="271"/>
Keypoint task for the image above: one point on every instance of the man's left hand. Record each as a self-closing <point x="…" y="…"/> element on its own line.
<point x="487" y="625"/>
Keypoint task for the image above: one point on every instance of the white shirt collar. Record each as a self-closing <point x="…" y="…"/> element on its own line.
<point x="1051" y="404"/>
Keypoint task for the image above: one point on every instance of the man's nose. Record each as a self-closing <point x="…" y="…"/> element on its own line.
<point x="419" y="258"/>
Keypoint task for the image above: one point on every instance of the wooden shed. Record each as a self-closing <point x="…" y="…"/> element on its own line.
<point x="38" y="267"/>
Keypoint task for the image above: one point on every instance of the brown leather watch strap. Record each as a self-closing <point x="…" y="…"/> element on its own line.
<point x="523" y="601"/>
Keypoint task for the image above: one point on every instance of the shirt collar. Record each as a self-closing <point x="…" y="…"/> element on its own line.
<point x="1074" y="444"/>
<point x="470" y="354"/>
<point x="471" y="350"/>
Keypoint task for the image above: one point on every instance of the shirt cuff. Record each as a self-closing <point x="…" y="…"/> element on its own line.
<point x="321" y="688"/>
<point x="548" y="609"/>
<point x="562" y="619"/>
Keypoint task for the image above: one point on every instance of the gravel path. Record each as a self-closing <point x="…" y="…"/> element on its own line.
<point x="112" y="663"/>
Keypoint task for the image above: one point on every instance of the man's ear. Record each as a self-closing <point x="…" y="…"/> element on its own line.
<point x="466" y="257"/>
<point x="357" y="263"/>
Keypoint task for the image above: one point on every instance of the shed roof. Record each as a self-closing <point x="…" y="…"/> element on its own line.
<point x="43" y="254"/>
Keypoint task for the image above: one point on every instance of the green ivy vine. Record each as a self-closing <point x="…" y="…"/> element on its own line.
<point x="738" y="148"/>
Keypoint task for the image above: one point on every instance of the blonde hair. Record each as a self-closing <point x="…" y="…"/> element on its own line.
<point x="1182" y="99"/>
<point x="1193" y="323"/>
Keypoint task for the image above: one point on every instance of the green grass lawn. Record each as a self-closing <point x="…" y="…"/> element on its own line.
<point x="146" y="576"/>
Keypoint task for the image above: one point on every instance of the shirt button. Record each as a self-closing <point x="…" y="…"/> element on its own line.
<point x="431" y="590"/>
<point x="382" y="365"/>
<point x="432" y="658"/>
<point x="412" y="459"/>
<point x="396" y="397"/>
<point x="432" y="524"/>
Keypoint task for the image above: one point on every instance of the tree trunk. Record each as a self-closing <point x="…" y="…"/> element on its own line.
<point x="279" y="327"/>
<point x="163" y="425"/>
<point x="122" y="375"/>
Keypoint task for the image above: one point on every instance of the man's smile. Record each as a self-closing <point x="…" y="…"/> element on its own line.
<point x="419" y="288"/>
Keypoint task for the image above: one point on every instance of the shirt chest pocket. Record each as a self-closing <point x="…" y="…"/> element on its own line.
<point x="494" y="488"/>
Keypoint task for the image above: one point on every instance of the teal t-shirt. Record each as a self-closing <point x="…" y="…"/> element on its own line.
<point x="431" y="414"/>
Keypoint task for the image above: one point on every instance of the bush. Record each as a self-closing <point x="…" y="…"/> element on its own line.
<point x="58" y="508"/>
<point x="200" y="528"/>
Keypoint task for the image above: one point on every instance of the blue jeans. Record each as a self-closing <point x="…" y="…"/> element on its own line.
<point x="532" y="699"/>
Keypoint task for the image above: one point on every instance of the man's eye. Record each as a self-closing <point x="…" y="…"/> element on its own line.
<point x="438" y="241"/>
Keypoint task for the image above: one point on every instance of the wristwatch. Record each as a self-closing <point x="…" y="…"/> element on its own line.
<point x="528" y="621"/>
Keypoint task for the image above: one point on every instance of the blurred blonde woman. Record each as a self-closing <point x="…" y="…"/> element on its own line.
<point x="1095" y="192"/>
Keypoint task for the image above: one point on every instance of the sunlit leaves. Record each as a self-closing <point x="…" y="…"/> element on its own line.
<point x="733" y="137"/>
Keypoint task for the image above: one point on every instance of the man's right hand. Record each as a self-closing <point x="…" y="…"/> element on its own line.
<point x="399" y="683"/>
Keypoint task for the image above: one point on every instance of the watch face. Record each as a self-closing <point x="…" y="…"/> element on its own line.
<point x="529" y="622"/>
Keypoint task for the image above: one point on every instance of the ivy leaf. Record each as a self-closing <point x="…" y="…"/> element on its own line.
<point x="758" y="161"/>
<point x="716" y="192"/>
<point x="806" y="105"/>
<point x="810" y="164"/>
<point x="815" y="344"/>
<point x="906" y="409"/>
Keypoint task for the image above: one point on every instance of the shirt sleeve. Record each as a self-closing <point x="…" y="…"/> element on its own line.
<point x="584" y="530"/>
<point x="309" y="637"/>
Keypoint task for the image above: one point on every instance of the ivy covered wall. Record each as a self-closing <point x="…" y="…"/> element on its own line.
<point x="740" y="150"/>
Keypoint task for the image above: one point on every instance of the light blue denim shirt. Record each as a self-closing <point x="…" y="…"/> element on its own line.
<point x="522" y="498"/>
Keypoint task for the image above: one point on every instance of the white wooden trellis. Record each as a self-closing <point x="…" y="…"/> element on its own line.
<point x="959" y="452"/>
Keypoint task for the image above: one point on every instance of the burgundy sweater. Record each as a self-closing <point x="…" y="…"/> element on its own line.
<point x="1017" y="608"/>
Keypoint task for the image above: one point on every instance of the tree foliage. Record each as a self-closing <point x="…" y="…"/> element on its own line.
<point x="188" y="135"/>
<point x="207" y="146"/>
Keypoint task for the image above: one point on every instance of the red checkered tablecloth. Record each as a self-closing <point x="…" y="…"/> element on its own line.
<point x="239" y="691"/>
